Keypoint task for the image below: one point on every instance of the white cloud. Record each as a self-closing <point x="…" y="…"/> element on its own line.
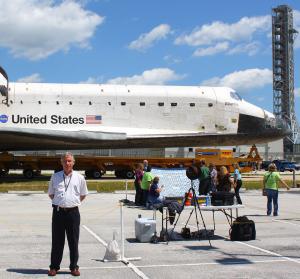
<point x="93" y="80"/>
<point x="32" y="78"/>
<point x="35" y="29"/>
<point x="171" y="59"/>
<point x="156" y="76"/>
<point x="220" y="47"/>
<point x="243" y="80"/>
<point x="297" y="92"/>
<point x="250" y="49"/>
<point x="218" y="36"/>
<point x="217" y="31"/>
<point x="147" y="40"/>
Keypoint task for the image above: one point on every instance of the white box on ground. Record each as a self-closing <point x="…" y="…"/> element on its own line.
<point x="144" y="229"/>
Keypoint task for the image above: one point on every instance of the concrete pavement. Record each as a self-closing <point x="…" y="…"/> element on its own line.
<point x="25" y="241"/>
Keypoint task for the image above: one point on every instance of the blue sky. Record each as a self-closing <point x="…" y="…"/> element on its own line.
<point x="172" y="42"/>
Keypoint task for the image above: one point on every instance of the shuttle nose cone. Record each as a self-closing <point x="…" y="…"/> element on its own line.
<point x="283" y="127"/>
<point x="276" y="124"/>
<point x="263" y="129"/>
<point x="276" y="127"/>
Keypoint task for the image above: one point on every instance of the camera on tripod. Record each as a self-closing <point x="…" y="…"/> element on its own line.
<point x="192" y="172"/>
<point x="190" y="199"/>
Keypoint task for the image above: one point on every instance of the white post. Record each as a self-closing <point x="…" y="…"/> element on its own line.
<point x="126" y="188"/>
<point x="123" y="259"/>
<point x="294" y="178"/>
<point x="122" y="232"/>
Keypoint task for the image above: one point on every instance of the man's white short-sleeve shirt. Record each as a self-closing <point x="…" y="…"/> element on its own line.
<point x="67" y="189"/>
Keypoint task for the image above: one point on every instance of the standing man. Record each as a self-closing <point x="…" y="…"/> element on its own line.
<point x="145" y="163"/>
<point x="67" y="189"/>
<point x="146" y="183"/>
<point x="204" y="178"/>
<point x="237" y="182"/>
<point x="213" y="177"/>
<point x="138" y="173"/>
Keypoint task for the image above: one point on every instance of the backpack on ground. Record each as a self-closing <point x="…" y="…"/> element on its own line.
<point x="242" y="229"/>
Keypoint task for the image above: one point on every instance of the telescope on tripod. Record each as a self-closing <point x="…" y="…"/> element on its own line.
<point x="192" y="173"/>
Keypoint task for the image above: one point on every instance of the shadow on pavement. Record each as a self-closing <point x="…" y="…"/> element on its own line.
<point x="231" y="261"/>
<point x="33" y="271"/>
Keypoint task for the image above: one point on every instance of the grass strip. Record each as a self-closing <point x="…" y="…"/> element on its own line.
<point x="255" y="185"/>
<point x="101" y="186"/>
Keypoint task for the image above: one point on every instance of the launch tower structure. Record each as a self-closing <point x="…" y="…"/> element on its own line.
<point x="283" y="35"/>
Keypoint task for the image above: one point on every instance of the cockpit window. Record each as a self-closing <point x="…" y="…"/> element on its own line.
<point x="235" y="96"/>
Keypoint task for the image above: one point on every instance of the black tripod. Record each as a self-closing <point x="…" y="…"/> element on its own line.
<point x="196" y="209"/>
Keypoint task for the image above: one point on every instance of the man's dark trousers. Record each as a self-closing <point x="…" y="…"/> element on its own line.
<point x="65" y="222"/>
<point x="204" y="186"/>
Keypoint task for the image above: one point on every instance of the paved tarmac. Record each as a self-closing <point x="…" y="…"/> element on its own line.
<point x="25" y="241"/>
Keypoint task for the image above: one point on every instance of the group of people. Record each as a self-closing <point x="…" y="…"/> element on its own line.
<point x="211" y="180"/>
<point x="147" y="190"/>
<point x="67" y="189"/>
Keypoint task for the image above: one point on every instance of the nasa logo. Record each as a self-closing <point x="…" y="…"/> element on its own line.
<point x="3" y="118"/>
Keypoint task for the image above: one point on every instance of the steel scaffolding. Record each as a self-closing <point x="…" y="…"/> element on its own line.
<point x="283" y="35"/>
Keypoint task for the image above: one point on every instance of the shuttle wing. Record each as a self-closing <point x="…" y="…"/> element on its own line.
<point x="48" y="139"/>
<point x="12" y="139"/>
<point x="73" y="136"/>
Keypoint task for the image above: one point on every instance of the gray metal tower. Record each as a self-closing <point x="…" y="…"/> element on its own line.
<point x="283" y="35"/>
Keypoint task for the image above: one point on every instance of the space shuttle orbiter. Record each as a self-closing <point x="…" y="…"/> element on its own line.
<point x="43" y="116"/>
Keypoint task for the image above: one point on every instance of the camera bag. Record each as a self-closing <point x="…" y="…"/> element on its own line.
<point x="242" y="229"/>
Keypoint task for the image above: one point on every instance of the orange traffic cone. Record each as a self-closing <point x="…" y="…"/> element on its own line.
<point x="188" y="199"/>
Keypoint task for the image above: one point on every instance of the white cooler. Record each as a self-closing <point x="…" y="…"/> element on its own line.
<point x="144" y="229"/>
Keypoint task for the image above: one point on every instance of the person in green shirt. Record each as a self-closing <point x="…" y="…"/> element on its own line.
<point x="146" y="183"/>
<point x="270" y="183"/>
<point x="204" y="179"/>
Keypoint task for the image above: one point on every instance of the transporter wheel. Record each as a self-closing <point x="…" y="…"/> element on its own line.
<point x="28" y="173"/>
<point x="96" y="174"/>
<point x="4" y="172"/>
<point x="88" y="174"/>
<point x="128" y="174"/>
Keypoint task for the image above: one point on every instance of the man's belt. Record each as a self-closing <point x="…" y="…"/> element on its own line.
<point x="66" y="209"/>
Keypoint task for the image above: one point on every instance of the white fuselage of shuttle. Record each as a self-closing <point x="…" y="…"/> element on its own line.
<point x="118" y="116"/>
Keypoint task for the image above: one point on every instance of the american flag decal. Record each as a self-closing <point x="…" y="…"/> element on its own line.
<point x="93" y="119"/>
